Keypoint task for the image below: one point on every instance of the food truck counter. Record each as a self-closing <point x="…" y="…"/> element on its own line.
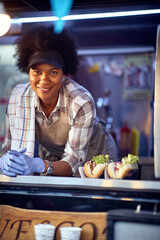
<point x="78" y="194"/>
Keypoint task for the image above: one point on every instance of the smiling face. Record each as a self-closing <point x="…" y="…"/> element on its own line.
<point x="46" y="80"/>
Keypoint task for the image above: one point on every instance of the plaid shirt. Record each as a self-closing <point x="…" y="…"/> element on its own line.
<point x="79" y="106"/>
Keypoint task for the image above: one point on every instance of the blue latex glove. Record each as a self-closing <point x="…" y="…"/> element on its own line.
<point x="9" y="167"/>
<point x="30" y="165"/>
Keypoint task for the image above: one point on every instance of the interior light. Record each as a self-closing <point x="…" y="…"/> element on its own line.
<point x="111" y="14"/>
<point x="87" y="16"/>
<point x="34" y="19"/>
<point x="5" y="21"/>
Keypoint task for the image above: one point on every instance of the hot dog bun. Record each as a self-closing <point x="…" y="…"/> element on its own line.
<point x="114" y="172"/>
<point x="95" y="167"/>
<point x="97" y="170"/>
<point x="122" y="168"/>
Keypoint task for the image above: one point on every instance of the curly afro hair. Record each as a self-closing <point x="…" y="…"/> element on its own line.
<point x="43" y="38"/>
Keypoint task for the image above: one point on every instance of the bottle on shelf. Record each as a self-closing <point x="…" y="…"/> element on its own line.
<point x="135" y="141"/>
<point x="125" y="141"/>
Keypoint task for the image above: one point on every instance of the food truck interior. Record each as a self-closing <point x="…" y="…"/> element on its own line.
<point x="117" y="58"/>
<point x="117" y="65"/>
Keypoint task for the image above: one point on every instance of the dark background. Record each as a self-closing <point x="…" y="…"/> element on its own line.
<point x="124" y="31"/>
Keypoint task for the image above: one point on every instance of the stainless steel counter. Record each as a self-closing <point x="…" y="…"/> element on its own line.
<point x="80" y="183"/>
<point x="78" y="194"/>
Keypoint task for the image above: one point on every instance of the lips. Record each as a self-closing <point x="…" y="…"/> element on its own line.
<point x="45" y="89"/>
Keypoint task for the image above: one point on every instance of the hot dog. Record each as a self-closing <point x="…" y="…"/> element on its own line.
<point x="121" y="168"/>
<point x="95" y="167"/>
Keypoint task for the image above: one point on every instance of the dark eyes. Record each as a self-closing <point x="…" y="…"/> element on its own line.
<point x="38" y="72"/>
<point x="53" y="72"/>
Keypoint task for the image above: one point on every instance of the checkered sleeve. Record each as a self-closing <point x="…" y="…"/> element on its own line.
<point x="79" y="136"/>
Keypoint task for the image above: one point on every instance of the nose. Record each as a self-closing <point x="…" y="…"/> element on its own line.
<point x="44" y="77"/>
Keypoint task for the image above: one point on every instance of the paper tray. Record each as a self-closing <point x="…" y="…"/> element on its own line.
<point x="82" y="174"/>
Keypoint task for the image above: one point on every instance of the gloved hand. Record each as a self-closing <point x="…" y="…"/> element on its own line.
<point x="9" y="167"/>
<point x="30" y="165"/>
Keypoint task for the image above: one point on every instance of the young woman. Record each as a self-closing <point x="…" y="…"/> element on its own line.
<point x="51" y="125"/>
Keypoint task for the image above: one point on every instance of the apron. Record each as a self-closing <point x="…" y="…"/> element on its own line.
<point x="56" y="134"/>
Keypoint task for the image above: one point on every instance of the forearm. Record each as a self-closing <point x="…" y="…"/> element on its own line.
<point x="60" y="168"/>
